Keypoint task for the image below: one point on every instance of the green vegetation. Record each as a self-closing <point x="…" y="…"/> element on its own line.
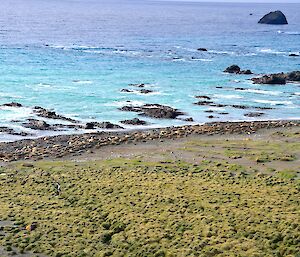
<point x="140" y="207"/>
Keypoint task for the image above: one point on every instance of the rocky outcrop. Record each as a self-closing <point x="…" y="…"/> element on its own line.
<point x="190" y="119"/>
<point x="278" y="78"/>
<point x="246" y="72"/>
<point x="293" y="76"/>
<point x="154" y="111"/>
<point x="37" y="125"/>
<point x="11" y="131"/>
<point x="201" y="49"/>
<point x="137" y="85"/>
<point x="273" y="79"/>
<point x="274" y="18"/>
<point x="235" y="69"/>
<point x="203" y="103"/>
<point x="42" y="112"/>
<point x="135" y="122"/>
<point x="145" y="91"/>
<point x="12" y="104"/>
<point x="142" y="91"/>
<point x="202" y="97"/>
<point x="125" y="90"/>
<point x="102" y="125"/>
<point x="294" y="55"/>
<point x="253" y="114"/>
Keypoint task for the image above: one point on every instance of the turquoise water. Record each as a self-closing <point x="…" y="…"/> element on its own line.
<point x="75" y="56"/>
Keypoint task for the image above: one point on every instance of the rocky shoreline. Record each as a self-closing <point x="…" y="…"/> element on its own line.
<point x="74" y="145"/>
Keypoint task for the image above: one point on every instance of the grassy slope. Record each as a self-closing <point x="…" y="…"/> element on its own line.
<point x="139" y="207"/>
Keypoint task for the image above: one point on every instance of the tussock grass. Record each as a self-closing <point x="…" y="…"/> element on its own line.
<point x="223" y="198"/>
<point x="123" y="207"/>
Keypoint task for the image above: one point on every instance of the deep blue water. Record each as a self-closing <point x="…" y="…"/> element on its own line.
<point x="74" y="56"/>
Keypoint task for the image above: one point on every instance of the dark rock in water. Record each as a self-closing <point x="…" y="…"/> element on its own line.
<point x="273" y="79"/>
<point x="263" y="108"/>
<point x="37" y="124"/>
<point x="108" y="125"/>
<point x="190" y="119"/>
<point x="219" y="87"/>
<point x="160" y="111"/>
<point x="204" y="103"/>
<point x="294" y="55"/>
<point x="218" y="105"/>
<point x="135" y="122"/>
<point x="237" y="70"/>
<point x="90" y="125"/>
<point x="202" y="49"/>
<point x="142" y="91"/>
<point x="12" y="104"/>
<point x="240" y="88"/>
<point x="246" y="72"/>
<point x="237" y="106"/>
<point x="293" y="76"/>
<point x="279" y="78"/>
<point x="223" y="113"/>
<point x="131" y="109"/>
<point x="154" y="111"/>
<point x="137" y="85"/>
<point x="42" y="112"/>
<point x="211" y="117"/>
<point x="209" y="111"/>
<point x="254" y="114"/>
<point x="103" y="125"/>
<point x="274" y="18"/>
<point x="11" y="131"/>
<point x="145" y="91"/>
<point x="233" y="69"/>
<point x="203" y="97"/>
<point x="124" y="90"/>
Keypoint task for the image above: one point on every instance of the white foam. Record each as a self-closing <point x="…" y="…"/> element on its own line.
<point x="250" y="54"/>
<point x="221" y="52"/>
<point x="292" y="33"/>
<point x="14" y="113"/>
<point x="57" y="46"/>
<point x="228" y="96"/>
<point x="8" y="95"/>
<point x="137" y="92"/>
<point x="216" y="109"/>
<point x="179" y="60"/>
<point x="272" y="102"/>
<point x="125" y="103"/>
<point x="270" y="51"/>
<point x="264" y="92"/>
<point x="202" y="59"/>
<point x="44" y="85"/>
<point x="187" y="49"/>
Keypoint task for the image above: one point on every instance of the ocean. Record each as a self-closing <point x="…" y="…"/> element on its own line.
<point x="75" y="56"/>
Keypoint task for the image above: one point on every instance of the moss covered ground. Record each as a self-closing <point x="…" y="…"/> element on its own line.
<point x="167" y="207"/>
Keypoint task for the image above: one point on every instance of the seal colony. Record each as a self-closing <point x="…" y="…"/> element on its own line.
<point x="73" y="145"/>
